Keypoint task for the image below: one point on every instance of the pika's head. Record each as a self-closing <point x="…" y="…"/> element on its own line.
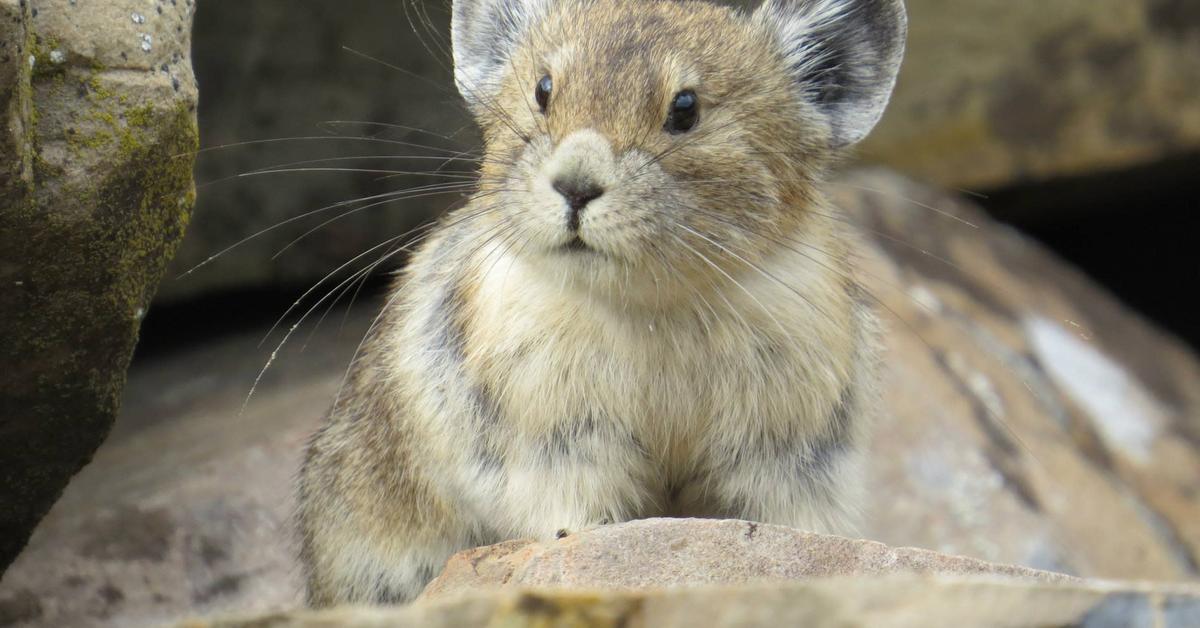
<point x="649" y="146"/>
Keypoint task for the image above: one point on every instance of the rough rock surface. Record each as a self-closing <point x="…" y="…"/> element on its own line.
<point x="1034" y="421"/>
<point x="994" y="93"/>
<point x="659" y="553"/>
<point x="96" y="187"/>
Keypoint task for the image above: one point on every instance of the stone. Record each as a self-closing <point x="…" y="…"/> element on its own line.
<point x="95" y="191"/>
<point x="663" y="553"/>
<point x="1003" y="440"/>
<point x="896" y="602"/>
<point x="994" y="94"/>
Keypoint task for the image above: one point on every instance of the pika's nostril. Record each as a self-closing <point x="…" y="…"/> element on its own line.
<point x="578" y="195"/>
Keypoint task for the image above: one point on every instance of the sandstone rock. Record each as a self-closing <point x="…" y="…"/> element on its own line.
<point x="98" y="102"/>
<point x="659" y="553"/>
<point x="994" y="93"/>
<point x="1002" y="442"/>
<point x="865" y="601"/>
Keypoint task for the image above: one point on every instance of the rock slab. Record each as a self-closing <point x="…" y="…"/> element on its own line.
<point x="98" y="100"/>
<point x="660" y="553"/>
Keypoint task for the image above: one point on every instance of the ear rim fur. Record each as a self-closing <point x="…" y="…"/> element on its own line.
<point x="483" y="36"/>
<point x="866" y="36"/>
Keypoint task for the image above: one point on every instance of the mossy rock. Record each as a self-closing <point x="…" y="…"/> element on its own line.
<point x="91" y="211"/>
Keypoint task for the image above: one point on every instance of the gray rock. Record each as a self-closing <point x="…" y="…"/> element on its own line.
<point x="95" y="191"/>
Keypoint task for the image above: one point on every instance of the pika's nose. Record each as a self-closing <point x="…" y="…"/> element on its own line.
<point x="578" y="194"/>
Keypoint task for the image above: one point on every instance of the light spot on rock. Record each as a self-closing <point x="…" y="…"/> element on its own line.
<point x="57" y="56"/>
<point x="147" y="42"/>
<point x="925" y="298"/>
<point x="979" y="384"/>
<point x="1127" y="417"/>
<point x="137" y="18"/>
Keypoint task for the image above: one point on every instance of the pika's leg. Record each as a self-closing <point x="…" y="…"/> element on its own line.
<point x="810" y="482"/>
<point x="372" y="531"/>
<point x="582" y="474"/>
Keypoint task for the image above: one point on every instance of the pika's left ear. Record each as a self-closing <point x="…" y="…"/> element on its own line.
<point x="843" y="56"/>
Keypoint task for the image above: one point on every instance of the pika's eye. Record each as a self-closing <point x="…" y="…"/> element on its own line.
<point x="685" y="111"/>
<point x="541" y="92"/>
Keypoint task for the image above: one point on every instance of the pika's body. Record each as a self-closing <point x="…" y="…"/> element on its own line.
<point x="647" y="309"/>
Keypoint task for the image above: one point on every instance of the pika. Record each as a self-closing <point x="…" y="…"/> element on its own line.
<point x="648" y="308"/>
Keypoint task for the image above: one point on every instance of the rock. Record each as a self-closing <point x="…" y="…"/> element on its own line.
<point x="660" y="553"/>
<point x="1003" y="442"/>
<point x="929" y="602"/>
<point x="96" y="188"/>
<point x="993" y="93"/>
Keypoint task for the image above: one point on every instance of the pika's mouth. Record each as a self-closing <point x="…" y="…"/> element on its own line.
<point x="576" y="245"/>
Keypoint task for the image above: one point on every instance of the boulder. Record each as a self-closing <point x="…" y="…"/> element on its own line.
<point x="1032" y="421"/>
<point x="98" y="102"/>
<point x="1030" y="417"/>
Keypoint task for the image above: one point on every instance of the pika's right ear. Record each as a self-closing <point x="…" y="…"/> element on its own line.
<point x="484" y="34"/>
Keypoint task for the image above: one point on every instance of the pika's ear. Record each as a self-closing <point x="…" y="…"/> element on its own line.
<point x="843" y="56"/>
<point x="484" y="34"/>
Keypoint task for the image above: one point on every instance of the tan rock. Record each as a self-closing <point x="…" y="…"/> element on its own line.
<point x="659" y="553"/>
<point x="994" y="92"/>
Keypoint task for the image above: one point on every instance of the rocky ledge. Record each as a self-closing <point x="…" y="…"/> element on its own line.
<point x="693" y="572"/>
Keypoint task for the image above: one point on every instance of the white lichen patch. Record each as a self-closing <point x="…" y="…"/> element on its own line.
<point x="57" y="56"/>
<point x="147" y="42"/>
<point x="1127" y="417"/>
<point x="137" y="18"/>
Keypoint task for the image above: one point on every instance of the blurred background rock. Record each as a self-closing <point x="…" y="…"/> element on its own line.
<point x="1078" y="121"/>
